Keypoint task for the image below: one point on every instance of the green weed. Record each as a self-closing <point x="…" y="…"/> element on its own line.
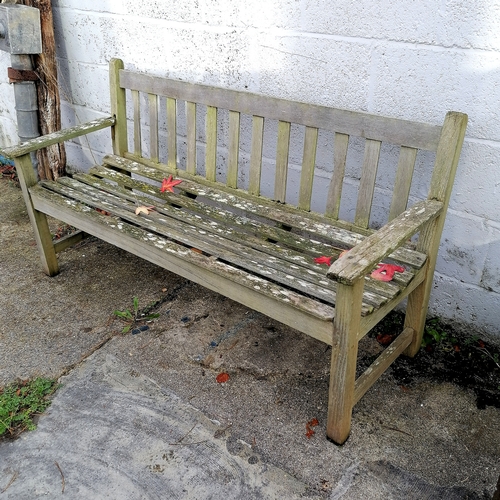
<point x="20" y="402"/>
<point x="134" y="317"/>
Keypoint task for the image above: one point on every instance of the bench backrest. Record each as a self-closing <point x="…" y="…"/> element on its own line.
<point x="285" y="150"/>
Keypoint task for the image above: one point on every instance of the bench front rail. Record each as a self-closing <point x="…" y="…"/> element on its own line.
<point x="232" y="224"/>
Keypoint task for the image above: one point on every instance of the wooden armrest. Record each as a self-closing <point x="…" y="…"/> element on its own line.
<point x="362" y="258"/>
<point x="56" y="137"/>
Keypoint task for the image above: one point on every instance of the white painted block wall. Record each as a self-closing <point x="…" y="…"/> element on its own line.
<point x="402" y="58"/>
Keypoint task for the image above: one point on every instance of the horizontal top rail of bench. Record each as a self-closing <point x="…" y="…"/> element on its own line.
<point x="392" y="130"/>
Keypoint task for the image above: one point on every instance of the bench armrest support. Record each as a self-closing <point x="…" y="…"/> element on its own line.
<point x="56" y="137"/>
<point x="362" y="258"/>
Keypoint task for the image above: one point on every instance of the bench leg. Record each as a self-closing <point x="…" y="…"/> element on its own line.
<point x="416" y="313"/>
<point x="343" y="364"/>
<point x="38" y="220"/>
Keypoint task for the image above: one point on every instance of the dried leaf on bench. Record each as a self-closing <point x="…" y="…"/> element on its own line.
<point x="222" y="378"/>
<point x="143" y="209"/>
<point x="385" y="272"/>
<point x="168" y="184"/>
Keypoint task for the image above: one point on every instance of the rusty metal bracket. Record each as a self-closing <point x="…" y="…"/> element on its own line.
<point x="21" y="75"/>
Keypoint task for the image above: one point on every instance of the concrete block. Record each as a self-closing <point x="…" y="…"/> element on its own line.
<point x="406" y="20"/>
<point x="111" y="6"/>
<point x="423" y="84"/>
<point x="79" y="36"/>
<point x="477" y="183"/>
<point x="472" y="24"/>
<point x="96" y="142"/>
<point x="463" y="249"/>
<point x="84" y="84"/>
<point x="465" y="304"/>
<point x="490" y="278"/>
<point x="315" y="69"/>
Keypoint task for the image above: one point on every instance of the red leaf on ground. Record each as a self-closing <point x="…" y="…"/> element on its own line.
<point x="385" y="338"/>
<point x="168" y="184"/>
<point x="312" y="423"/>
<point x="481" y="343"/>
<point x="385" y="272"/>
<point x="309" y="432"/>
<point x="222" y="377"/>
<point x="323" y="260"/>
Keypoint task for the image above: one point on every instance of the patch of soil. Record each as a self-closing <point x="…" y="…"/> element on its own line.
<point x="447" y="355"/>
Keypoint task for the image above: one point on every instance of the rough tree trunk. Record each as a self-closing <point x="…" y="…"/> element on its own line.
<point x="52" y="160"/>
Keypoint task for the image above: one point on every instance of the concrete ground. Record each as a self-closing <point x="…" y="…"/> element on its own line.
<point x="142" y="416"/>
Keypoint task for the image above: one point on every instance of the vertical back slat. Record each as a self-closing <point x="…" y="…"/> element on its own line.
<point x="153" y="127"/>
<point x="256" y="155"/>
<point x="211" y="147"/>
<point x="402" y="184"/>
<point x="234" y="144"/>
<point x="282" y="150"/>
<point x="137" y="122"/>
<point x="367" y="183"/>
<point x="171" y="132"/>
<point x="340" y="144"/>
<point x="308" y="164"/>
<point x="191" y="137"/>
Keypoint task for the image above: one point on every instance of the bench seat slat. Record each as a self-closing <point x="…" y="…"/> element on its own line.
<point x="278" y="252"/>
<point x="282" y="214"/>
<point x="304" y="279"/>
<point x="224" y="218"/>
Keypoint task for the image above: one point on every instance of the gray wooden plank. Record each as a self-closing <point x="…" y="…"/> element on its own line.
<point x="308" y="164"/>
<point x="281" y="164"/>
<point x="137" y="123"/>
<point x="340" y="144"/>
<point x="367" y="183"/>
<point x="153" y="127"/>
<point x="191" y="137"/>
<point x="211" y="143"/>
<point x="234" y="144"/>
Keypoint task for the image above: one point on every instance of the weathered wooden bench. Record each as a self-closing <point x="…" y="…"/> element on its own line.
<point x="241" y="222"/>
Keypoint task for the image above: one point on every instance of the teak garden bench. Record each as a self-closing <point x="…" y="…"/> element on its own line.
<point x="241" y="222"/>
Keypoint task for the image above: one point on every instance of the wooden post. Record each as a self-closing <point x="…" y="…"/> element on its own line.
<point x="343" y="364"/>
<point x="51" y="160"/>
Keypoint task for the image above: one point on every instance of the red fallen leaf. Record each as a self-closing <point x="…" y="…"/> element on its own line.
<point x="312" y="423"/>
<point x="168" y="184"/>
<point x="385" y="272"/>
<point x="103" y="212"/>
<point x="309" y="432"/>
<point x="481" y="343"/>
<point x="456" y="348"/>
<point x="385" y="338"/>
<point x="323" y="260"/>
<point x="222" y="377"/>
